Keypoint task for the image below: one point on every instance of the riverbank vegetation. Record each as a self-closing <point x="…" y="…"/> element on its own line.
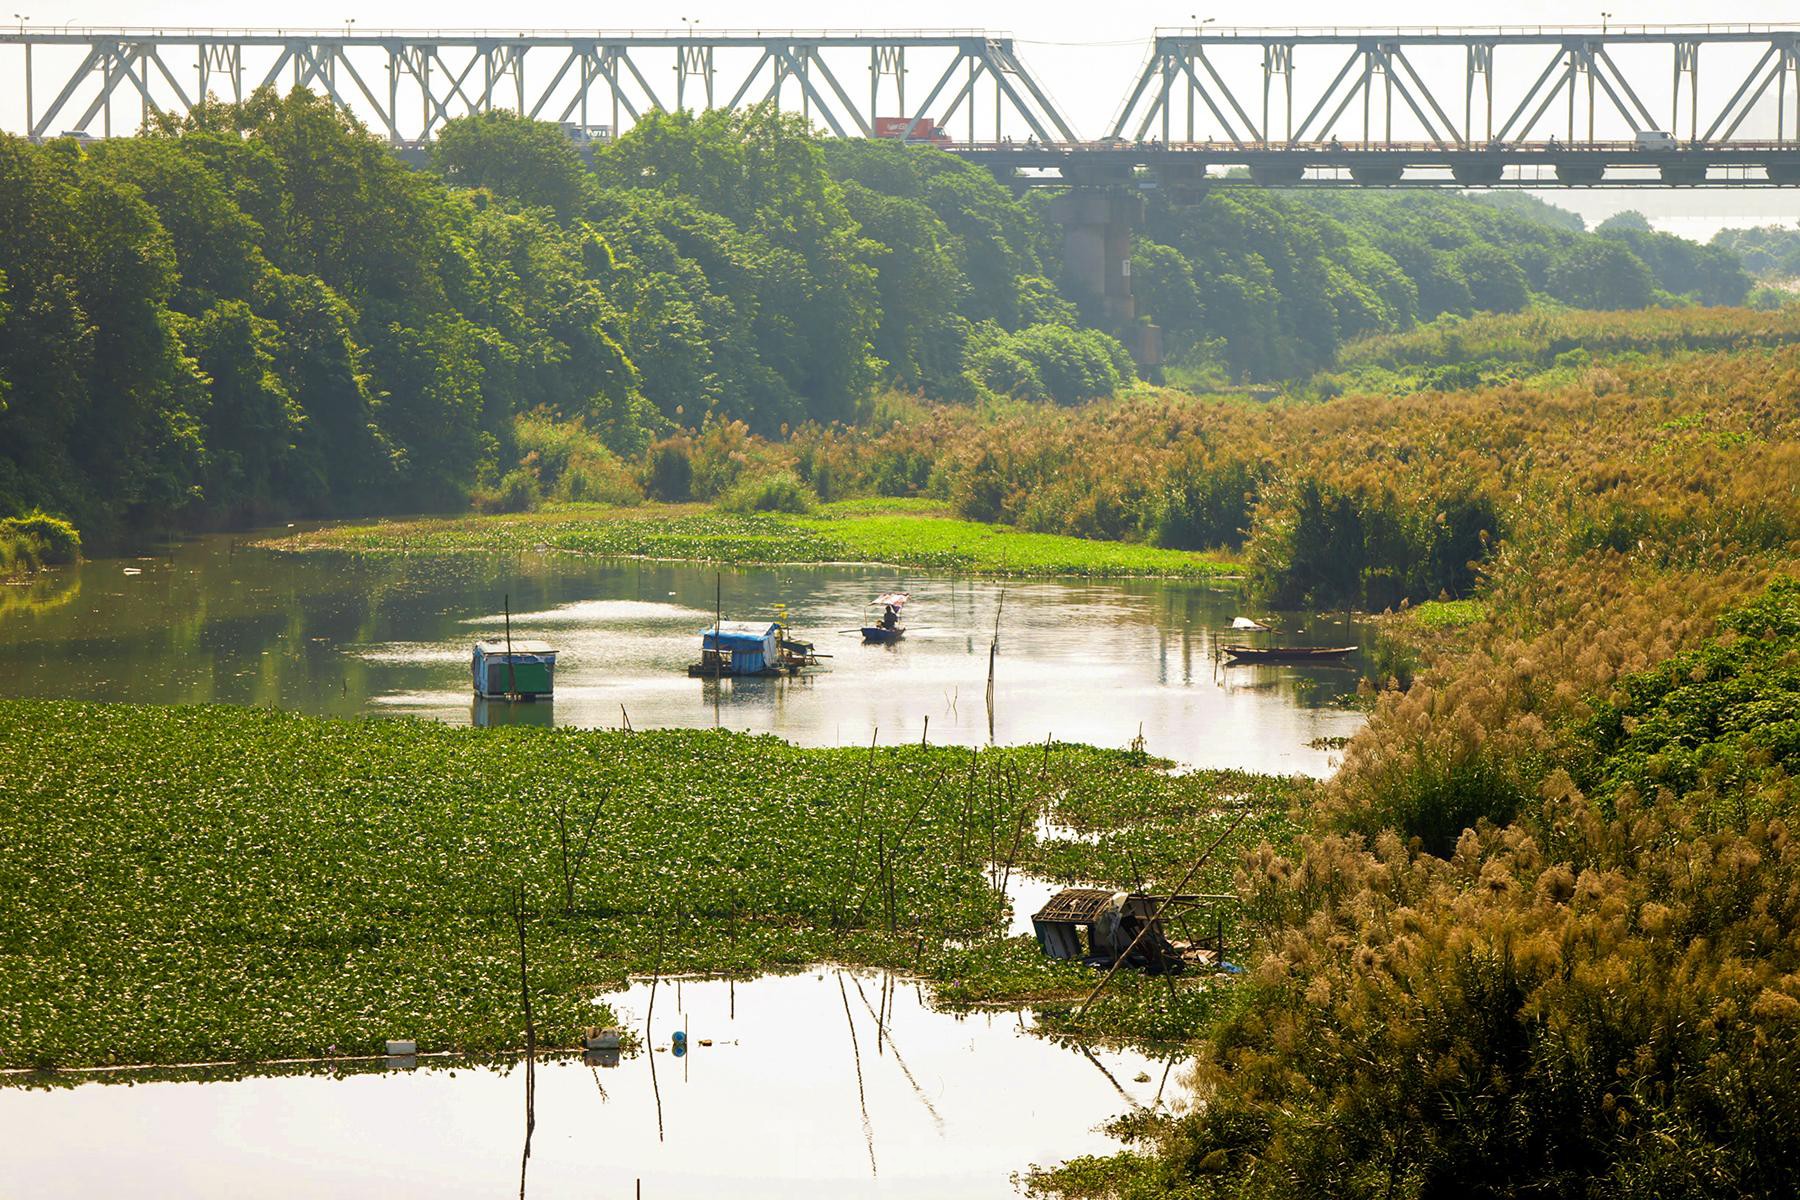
<point x="259" y="311"/>
<point x="36" y="540"/>
<point x="1537" y="934"/>
<point x="1541" y="938"/>
<point x="1669" y="431"/>
<point x="188" y="884"/>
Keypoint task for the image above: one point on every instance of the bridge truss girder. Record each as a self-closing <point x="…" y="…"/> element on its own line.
<point x="1245" y="88"/>
<point x="407" y="86"/>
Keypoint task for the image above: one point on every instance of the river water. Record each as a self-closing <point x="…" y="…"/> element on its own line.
<point x="216" y="621"/>
<point x="829" y="1084"/>
<point x="824" y="1084"/>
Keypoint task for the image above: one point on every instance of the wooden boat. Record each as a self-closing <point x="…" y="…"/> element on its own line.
<point x="1288" y="653"/>
<point x="881" y="634"/>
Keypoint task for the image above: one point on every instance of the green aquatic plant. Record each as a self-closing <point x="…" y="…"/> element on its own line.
<point x="902" y="533"/>
<point x="209" y="883"/>
<point x="1446" y="614"/>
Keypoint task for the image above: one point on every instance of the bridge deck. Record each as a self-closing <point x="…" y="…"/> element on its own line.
<point x="1411" y="164"/>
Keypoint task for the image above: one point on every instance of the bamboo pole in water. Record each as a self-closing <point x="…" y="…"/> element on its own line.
<point x="512" y="678"/>
<point x="993" y="653"/>
<point x="530" y="1046"/>
<point x="862" y="1097"/>
<point x="718" y="626"/>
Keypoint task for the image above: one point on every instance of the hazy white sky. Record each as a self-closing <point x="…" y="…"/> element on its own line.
<point x="1086" y="54"/>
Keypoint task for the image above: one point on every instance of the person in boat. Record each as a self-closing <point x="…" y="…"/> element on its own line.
<point x="890" y="617"/>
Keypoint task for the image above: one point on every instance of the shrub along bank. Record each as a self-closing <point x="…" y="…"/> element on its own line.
<point x="36" y="540"/>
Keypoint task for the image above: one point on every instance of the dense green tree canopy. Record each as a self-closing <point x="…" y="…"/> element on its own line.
<point x="258" y="309"/>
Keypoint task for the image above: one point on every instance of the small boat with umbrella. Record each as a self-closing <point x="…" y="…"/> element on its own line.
<point x="887" y="628"/>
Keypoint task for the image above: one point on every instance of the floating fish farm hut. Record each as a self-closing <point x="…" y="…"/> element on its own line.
<point x="739" y="648"/>
<point x="526" y="671"/>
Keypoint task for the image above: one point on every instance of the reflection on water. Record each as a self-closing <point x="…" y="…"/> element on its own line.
<point x="215" y="621"/>
<point x="38" y="593"/>
<point x="829" y="1083"/>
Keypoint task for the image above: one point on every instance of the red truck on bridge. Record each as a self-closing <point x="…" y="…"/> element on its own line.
<point x="927" y="130"/>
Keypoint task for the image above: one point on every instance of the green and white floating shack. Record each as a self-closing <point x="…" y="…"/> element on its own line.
<point x="526" y="670"/>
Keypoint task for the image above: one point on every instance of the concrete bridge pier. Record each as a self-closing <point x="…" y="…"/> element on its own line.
<point x="1097" y="224"/>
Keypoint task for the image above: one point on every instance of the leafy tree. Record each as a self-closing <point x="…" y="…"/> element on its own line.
<point x="1163" y="285"/>
<point x="920" y="286"/>
<point x="1768" y="252"/>
<point x="251" y="427"/>
<point x="1628" y="221"/>
<point x="1707" y="274"/>
<point x="431" y="406"/>
<point x="1600" y="273"/>
<point x="1048" y="362"/>
<point x="216" y="244"/>
<point x="533" y="162"/>
<point x="764" y="173"/>
<point x="321" y="365"/>
<point x="1496" y="283"/>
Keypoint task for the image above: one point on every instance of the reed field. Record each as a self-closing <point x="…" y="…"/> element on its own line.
<point x="1538" y="934"/>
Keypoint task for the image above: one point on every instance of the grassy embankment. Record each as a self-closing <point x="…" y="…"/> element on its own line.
<point x="188" y="884"/>
<point x="914" y="533"/>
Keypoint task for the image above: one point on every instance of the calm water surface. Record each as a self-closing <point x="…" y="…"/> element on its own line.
<point x="217" y="621"/>
<point x="826" y="1084"/>
<point x="823" y="1084"/>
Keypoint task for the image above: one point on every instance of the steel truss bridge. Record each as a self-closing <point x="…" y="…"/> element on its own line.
<point x="408" y="84"/>
<point x="1621" y="106"/>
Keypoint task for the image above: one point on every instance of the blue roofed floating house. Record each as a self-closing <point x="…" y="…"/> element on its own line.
<point x="522" y="670"/>
<point x="739" y="648"/>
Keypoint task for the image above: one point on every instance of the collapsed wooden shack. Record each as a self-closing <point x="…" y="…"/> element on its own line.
<point x="1101" y="927"/>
